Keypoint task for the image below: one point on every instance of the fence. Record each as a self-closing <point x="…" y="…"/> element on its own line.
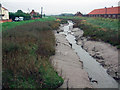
<point x="9" y="20"/>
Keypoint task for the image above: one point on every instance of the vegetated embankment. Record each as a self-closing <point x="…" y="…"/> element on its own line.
<point x="99" y="32"/>
<point x="9" y="25"/>
<point x="26" y="56"/>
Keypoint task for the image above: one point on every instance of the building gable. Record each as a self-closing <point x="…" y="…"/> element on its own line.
<point x="4" y="8"/>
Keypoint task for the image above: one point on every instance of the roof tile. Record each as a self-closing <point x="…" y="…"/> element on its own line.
<point x="112" y="10"/>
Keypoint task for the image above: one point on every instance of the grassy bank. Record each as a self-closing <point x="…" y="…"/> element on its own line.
<point x="101" y="22"/>
<point x="9" y="25"/>
<point x="26" y="55"/>
<point x="104" y="29"/>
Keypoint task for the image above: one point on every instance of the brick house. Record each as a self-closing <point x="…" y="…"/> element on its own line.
<point x="112" y="12"/>
<point x="33" y="13"/>
<point x="78" y="14"/>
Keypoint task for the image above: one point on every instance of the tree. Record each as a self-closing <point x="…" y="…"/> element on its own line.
<point x="44" y="15"/>
<point x="12" y="15"/>
<point x="19" y="13"/>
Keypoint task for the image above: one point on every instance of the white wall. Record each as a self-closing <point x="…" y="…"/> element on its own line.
<point x="6" y="14"/>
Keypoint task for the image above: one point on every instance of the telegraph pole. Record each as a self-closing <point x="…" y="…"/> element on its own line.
<point x="41" y="11"/>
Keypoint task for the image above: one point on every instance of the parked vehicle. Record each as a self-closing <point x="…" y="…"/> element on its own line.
<point x="19" y="18"/>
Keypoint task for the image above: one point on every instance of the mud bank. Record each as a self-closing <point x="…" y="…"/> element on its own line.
<point x="104" y="53"/>
<point x="68" y="65"/>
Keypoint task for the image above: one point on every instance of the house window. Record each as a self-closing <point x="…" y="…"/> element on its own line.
<point x="105" y="15"/>
<point x="114" y="16"/>
<point x="109" y="16"/>
<point x="118" y="16"/>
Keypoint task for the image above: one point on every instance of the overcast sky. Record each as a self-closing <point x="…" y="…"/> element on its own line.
<point x="57" y="6"/>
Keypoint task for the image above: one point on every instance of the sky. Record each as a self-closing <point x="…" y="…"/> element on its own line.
<point x="54" y="7"/>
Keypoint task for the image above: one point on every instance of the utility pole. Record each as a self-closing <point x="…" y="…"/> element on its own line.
<point x="41" y="11"/>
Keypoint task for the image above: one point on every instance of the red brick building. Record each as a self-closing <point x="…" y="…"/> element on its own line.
<point x="78" y="14"/>
<point x="34" y="14"/>
<point x="112" y="12"/>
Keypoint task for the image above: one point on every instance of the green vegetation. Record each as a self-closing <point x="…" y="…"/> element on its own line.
<point x="27" y="47"/>
<point x="9" y="25"/>
<point x="64" y="21"/>
<point x="104" y="29"/>
<point x="101" y="22"/>
<point x="19" y="13"/>
<point x="66" y="14"/>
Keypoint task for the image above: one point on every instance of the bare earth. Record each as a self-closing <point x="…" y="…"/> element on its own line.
<point x="104" y="53"/>
<point x="68" y="65"/>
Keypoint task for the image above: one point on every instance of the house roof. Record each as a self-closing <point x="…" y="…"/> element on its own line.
<point x="111" y="10"/>
<point x="4" y="8"/>
<point x="78" y="13"/>
<point x="33" y="12"/>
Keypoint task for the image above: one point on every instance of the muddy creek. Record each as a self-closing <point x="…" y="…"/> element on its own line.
<point x="97" y="74"/>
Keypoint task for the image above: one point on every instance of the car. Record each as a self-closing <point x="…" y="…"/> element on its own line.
<point x="19" y="18"/>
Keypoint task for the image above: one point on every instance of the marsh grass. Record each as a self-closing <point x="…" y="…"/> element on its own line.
<point x="96" y="32"/>
<point x="26" y="52"/>
<point x="108" y="23"/>
<point x="105" y="29"/>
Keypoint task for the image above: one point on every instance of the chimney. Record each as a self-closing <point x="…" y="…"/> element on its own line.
<point x="105" y="10"/>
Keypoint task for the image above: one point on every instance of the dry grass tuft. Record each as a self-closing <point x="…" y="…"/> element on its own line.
<point x="26" y="52"/>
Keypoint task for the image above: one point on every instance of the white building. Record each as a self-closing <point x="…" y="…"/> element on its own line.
<point x="4" y="13"/>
